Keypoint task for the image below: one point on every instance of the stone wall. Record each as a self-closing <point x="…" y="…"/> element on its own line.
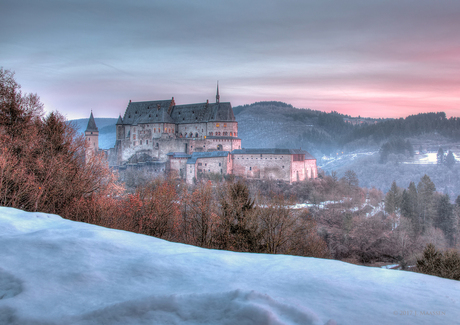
<point x="262" y="166"/>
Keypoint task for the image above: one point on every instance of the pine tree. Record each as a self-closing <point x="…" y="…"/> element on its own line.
<point x="409" y="207"/>
<point x="393" y="199"/>
<point x="445" y="218"/>
<point x="425" y="191"/>
<point x="440" y="156"/>
<point x="450" y="159"/>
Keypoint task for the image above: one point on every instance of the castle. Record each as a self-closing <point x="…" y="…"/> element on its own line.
<point x="194" y="139"/>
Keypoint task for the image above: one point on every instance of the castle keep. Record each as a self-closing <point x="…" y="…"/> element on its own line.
<point x="189" y="140"/>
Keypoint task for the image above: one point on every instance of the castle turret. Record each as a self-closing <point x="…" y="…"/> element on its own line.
<point x="92" y="137"/>
<point x="120" y="129"/>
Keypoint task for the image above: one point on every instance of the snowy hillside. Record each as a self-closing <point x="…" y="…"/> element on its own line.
<point x="56" y="271"/>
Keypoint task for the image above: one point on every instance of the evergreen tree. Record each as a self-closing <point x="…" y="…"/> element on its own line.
<point x="440" y="156"/>
<point x="450" y="159"/>
<point x="425" y="191"/>
<point x="393" y="199"/>
<point x="445" y="218"/>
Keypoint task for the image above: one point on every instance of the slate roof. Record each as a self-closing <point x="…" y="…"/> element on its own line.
<point x="91" y="124"/>
<point x="209" y="154"/>
<point x="203" y="112"/>
<point x="165" y="111"/>
<point x="148" y="112"/>
<point x="178" y="155"/>
<point x="274" y="151"/>
<point x="120" y="121"/>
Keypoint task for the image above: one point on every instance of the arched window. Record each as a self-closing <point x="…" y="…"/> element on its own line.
<point x="219" y="147"/>
<point x="196" y="135"/>
<point x="191" y="135"/>
<point x="231" y="134"/>
<point x="210" y="133"/>
<point x="180" y="135"/>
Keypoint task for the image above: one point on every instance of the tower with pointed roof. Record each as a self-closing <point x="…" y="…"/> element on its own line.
<point x="217" y="94"/>
<point x="91" y="137"/>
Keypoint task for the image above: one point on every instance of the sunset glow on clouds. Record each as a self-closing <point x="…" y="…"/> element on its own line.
<point x="376" y="59"/>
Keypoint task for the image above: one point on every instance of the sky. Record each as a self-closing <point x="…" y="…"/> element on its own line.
<point x="57" y="271"/>
<point x="362" y="58"/>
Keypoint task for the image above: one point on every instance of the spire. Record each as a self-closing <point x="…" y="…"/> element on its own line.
<point x="217" y="95"/>
<point x="91" y="124"/>
<point x="120" y="120"/>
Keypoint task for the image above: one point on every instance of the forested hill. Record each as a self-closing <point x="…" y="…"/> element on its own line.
<point x="276" y="124"/>
<point x="410" y="126"/>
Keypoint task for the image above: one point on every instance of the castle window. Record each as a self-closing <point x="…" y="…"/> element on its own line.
<point x="200" y="164"/>
<point x="196" y="135"/>
<point x="231" y="134"/>
<point x="250" y="168"/>
<point x="206" y="164"/>
<point x="140" y="142"/>
<point x="134" y="137"/>
<point x="146" y="141"/>
<point x="225" y="125"/>
<point x="220" y="164"/>
<point x="210" y="133"/>
<point x="217" y="125"/>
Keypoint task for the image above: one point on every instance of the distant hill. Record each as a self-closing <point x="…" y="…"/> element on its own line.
<point x="277" y="124"/>
<point x="107" y="130"/>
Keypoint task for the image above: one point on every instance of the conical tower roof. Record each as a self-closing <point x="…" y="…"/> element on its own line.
<point x="120" y="120"/>
<point x="91" y="124"/>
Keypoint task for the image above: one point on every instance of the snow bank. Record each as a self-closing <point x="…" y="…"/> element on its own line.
<point x="55" y="271"/>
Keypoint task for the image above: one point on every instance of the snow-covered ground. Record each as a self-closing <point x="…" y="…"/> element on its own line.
<point x="55" y="271"/>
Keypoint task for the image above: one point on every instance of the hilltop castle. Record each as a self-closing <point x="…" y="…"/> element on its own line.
<point x="195" y="139"/>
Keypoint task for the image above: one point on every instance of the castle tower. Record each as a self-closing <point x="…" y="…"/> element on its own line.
<point x="120" y="129"/>
<point x="217" y="95"/>
<point x="91" y="137"/>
